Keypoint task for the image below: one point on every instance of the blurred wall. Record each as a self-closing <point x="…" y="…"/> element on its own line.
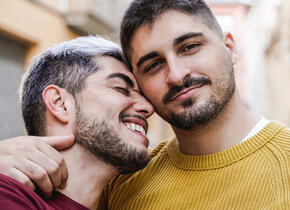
<point x="34" y="24"/>
<point x="268" y="59"/>
<point x="26" y="28"/>
<point x="277" y="56"/>
<point x="12" y="55"/>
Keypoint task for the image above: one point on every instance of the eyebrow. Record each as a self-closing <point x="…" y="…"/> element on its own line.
<point x="124" y="77"/>
<point x="186" y="36"/>
<point x="175" y="42"/>
<point x="147" y="57"/>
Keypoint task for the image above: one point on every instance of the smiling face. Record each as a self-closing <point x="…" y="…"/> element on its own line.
<point x="183" y="68"/>
<point x="111" y="116"/>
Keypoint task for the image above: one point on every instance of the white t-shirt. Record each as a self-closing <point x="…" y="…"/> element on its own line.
<point x="258" y="127"/>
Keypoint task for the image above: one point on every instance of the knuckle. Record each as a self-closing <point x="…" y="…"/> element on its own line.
<point x="60" y="160"/>
<point x="41" y="175"/>
<point x="54" y="169"/>
<point x="38" y="143"/>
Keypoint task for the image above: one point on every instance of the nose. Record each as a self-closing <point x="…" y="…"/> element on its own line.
<point x="143" y="106"/>
<point x="176" y="72"/>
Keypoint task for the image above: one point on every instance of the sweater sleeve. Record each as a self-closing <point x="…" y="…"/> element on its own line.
<point x="12" y="196"/>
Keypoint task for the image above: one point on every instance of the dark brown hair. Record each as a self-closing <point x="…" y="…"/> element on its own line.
<point x="142" y="12"/>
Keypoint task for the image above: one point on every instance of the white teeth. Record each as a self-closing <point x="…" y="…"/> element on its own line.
<point x="135" y="127"/>
<point x="140" y="129"/>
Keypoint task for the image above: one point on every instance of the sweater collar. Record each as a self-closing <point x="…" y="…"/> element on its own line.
<point x="226" y="157"/>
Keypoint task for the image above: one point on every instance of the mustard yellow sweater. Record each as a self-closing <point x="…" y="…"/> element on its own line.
<point x="252" y="175"/>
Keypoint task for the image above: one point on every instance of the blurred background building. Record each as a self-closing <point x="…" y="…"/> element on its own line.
<point x="261" y="29"/>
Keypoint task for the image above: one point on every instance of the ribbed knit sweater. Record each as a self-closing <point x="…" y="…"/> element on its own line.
<point x="252" y="175"/>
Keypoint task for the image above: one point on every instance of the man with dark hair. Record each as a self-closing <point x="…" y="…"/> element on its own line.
<point x="146" y="12"/>
<point x="82" y="87"/>
<point x="223" y="156"/>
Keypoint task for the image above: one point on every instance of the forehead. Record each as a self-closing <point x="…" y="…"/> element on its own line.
<point x="169" y="25"/>
<point x="107" y="66"/>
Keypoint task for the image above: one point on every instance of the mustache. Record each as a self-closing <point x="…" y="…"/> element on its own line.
<point x="188" y="82"/>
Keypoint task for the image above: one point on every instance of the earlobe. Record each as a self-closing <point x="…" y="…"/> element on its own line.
<point x="231" y="46"/>
<point x="55" y="101"/>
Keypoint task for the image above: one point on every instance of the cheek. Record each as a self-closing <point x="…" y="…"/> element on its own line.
<point x="210" y="63"/>
<point x="216" y="57"/>
<point x="101" y="107"/>
<point x="153" y="88"/>
<point x="113" y="107"/>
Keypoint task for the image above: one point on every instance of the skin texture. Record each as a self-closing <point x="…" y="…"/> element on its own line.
<point x="195" y="58"/>
<point x="36" y="158"/>
<point x="104" y="133"/>
<point x="111" y="98"/>
<point x="114" y="91"/>
<point x="111" y="95"/>
<point x="185" y="76"/>
<point x="193" y="70"/>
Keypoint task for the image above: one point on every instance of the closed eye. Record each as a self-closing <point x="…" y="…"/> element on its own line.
<point x="123" y="90"/>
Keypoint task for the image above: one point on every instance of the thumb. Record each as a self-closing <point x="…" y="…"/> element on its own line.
<point x="59" y="142"/>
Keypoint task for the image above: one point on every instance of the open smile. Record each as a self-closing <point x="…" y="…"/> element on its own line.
<point x="137" y="124"/>
<point x="135" y="127"/>
<point x="138" y="127"/>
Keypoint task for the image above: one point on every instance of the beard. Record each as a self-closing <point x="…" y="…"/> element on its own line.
<point x="100" y="139"/>
<point x="195" y="116"/>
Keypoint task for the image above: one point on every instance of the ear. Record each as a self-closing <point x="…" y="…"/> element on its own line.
<point x="57" y="102"/>
<point x="231" y="46"/>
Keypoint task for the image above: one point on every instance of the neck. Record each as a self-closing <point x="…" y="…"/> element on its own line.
<point x="227" y="130"/>
<point x="87" y="176"/>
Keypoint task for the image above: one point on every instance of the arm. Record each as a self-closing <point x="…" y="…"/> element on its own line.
<point x="34" y="161"/>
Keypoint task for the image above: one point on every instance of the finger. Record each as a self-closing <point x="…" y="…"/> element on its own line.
<point x="58" y="174"/>
<point x="39" y="177"/>
<point x="59" y="142"/>
<point x="64" y="175"/>
<point x="49" y="165"/>
<point x="20" y="177"/>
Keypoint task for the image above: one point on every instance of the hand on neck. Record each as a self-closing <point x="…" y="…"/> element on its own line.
<point x="227" y="130"/>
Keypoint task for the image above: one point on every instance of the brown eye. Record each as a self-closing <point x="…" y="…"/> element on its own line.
<point x="153" y="65"/>
<point x="189" y="47"/>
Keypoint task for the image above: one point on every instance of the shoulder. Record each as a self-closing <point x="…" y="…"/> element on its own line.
<point x="8" y="184"/>
<point x="159" y="149"/>
<point x="14" y="195"/>
<point x="282" y="137"/>
<point x="61" y="201"/>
